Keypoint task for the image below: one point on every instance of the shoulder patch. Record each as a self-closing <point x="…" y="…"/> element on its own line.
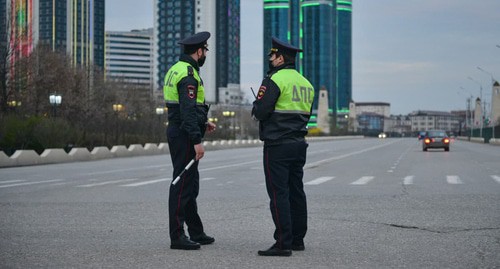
<point x="190" y="71"/>
<point x="191" y="92"/>
<point x="262" y="91"/>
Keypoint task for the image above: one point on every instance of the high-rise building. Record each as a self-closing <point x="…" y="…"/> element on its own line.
<point x="319" y="62"/>
<point x="129" y="57"/>
<point x="19" y="28"/>
<point x="276" y="24"/>
<point x="74" y="26"/>
<point x="344" y="54"/>
<point x="3" y="26"/>
<point x="175" y="20"/>
<point x="322" y="28"/>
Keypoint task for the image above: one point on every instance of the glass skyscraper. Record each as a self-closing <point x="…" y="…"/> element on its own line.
<point x="176" y="20"/>
<point x="322" y="28"/>
<point x="73" y="26"/>
<point x="344" y="54"/>
<point x="276" y="13"/>
<point x="319" y="45"/>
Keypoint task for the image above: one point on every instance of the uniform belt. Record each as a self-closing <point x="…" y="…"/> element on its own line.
<point x="284" y="141"/>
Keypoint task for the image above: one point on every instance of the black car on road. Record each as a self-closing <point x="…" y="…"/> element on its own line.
<point x="436" y="139"/>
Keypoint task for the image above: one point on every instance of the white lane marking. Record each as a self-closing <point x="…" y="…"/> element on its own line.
<point x="318" y="163"/>
<point x="11" y="181"/>
<point x="59" y="184"/>
<point x="496" y="178"/>
<point x="29" y="183"/>
<point x="106" y="182"/>
<point x="229" y="165"/>
<point x="453" y="180"/>
<point x="319" y="180"/>
<point x="362" y="180"/>
<point x="146" y="182"/>
<point x="408" y="180"/>
<point x="207" y="178"/>
<point x="126" y="169"/>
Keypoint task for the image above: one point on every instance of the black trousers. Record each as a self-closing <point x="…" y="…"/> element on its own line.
<point x="283" y="167"/>
<point x="182" y="206"/>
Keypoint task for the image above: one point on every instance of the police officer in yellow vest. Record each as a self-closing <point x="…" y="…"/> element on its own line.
<point x="187" y="122"/>
<point x="283" y="107"/>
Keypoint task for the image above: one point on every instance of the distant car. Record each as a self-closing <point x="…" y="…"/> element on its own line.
<point x="382" y="135"/>
<point x="421" y="135"/>
<point x="436" y="139"/>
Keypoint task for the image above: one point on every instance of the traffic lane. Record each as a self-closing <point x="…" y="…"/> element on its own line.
<point x="457" y="171"/>
<point x="433" y="182"/>
<point x="233" y="211"/>
<point x="387" y="202"/>
<point x="77" y="170"/>
<point x="392" y="233"/>
<point x="374" y="167"/>
<point x="480" y="156"/>
<point x="327" y="151"/>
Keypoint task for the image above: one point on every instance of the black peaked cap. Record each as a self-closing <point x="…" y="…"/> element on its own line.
<point x="283" y="48"/>
<point x="198" y="40"/>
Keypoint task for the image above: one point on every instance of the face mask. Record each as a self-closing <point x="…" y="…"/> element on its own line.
<point x="270" y="65"/>
<point x="201" y="61"/>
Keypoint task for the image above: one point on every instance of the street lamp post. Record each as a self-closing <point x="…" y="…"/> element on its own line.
<point x="55" y="100"/>
<point x="468" y="112"/>
<point x="159" y="112"/>
<point x="13" y="104"/>
<point x="492" y="85"/>
<point x="230" y="114"/>
<point x="482" y="112"/>
<point x="117" y="108"/>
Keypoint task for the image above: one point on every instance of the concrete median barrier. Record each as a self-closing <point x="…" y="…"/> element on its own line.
<point x="30" y="157"/>
<point x="79" y="154"/>
<point x="25" y="157"/>
<point x="100" y="153"/>
<point x="6" y="161"/>
<point x="151" y="149"/>
<point x="120" y="151"/>
<point x="54" y="156"/>
<point x="136" y="150"/>
<point x="495" y="141"/>
<point x="163" y="147"/>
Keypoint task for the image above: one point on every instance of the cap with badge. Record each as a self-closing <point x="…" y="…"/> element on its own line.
<point x="282" y="47"/>
<point x="198" y="40"/>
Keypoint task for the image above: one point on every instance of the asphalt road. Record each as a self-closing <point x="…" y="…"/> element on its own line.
<point x="373" y="203"/>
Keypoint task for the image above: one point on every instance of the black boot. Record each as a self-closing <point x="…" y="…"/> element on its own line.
<point x="203" y="239"/>
<point x="275" y="251"/>
<point x="298" y="245"/>
<point x="184" y="243"/>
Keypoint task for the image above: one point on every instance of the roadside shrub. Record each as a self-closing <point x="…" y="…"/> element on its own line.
<point x="36" y="133"/>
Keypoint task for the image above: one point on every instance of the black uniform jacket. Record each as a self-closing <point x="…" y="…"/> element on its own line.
<point x="188" y="115"/>
<point x="277" y="127"/>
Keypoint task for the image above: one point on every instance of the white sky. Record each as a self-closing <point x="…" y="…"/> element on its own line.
<point x="413" y="54"/>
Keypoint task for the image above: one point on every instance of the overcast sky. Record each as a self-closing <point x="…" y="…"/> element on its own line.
<point x="413" y="54"/>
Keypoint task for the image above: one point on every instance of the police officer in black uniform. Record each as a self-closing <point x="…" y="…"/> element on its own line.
<point x="187" y="116"/>
<point x="283" y="108"/>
